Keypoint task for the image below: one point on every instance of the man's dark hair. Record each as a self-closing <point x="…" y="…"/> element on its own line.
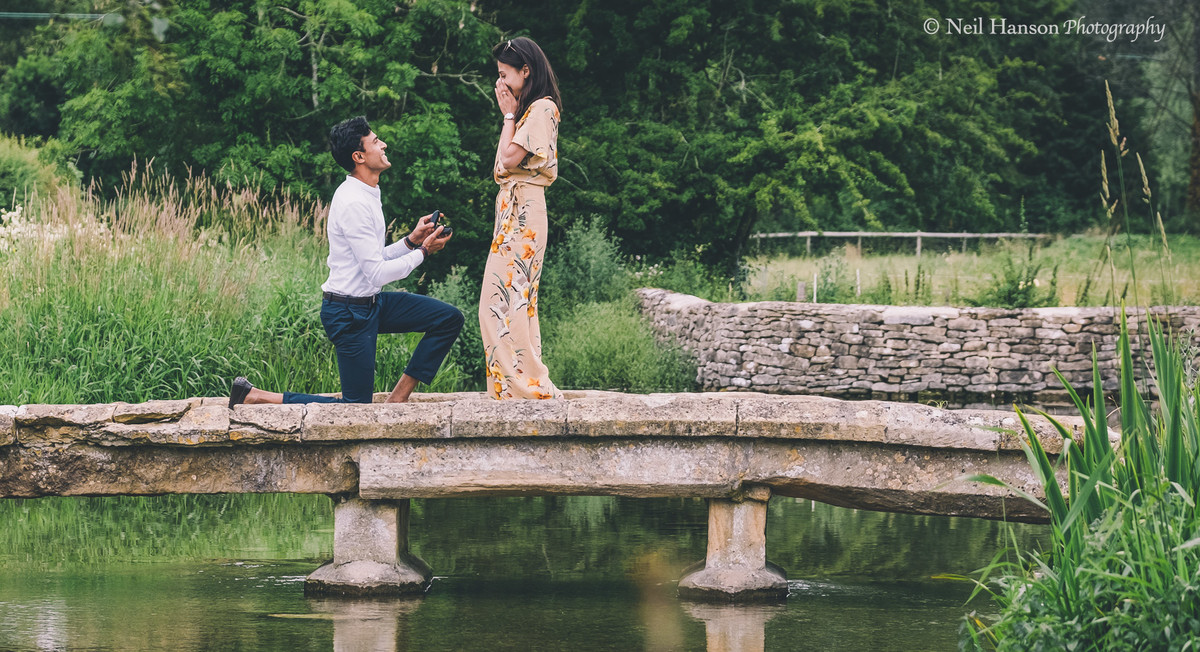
<point x="542" y="82"/>
<point x="346" y="138"/>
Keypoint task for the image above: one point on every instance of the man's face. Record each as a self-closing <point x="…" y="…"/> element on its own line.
<point x="373" y="155"/>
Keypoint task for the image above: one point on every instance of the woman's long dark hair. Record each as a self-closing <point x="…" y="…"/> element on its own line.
<point x="521" y="52"/>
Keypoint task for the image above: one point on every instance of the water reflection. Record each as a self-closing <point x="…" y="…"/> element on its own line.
<point x="734" y="628"/>
<point x="226" y="572"/>
<point x="366" y="625"/>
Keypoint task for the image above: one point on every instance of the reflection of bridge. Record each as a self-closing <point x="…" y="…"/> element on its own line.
<point x="734" y="449"/>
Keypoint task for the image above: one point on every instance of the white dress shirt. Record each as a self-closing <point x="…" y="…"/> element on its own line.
<point x="359" y="264"/>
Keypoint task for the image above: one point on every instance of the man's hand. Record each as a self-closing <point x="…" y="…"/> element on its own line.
<point x="435" y="241"/>
<point x="424" y="228"/>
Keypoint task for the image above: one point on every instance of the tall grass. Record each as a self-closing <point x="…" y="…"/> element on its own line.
<point x="1123" y="569"/>
<point x="170" y="292"/>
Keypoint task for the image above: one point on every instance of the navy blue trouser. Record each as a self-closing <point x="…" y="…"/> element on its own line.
<point x="354" y="330"/>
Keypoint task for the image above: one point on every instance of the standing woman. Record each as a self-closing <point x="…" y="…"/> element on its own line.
<point x="526" y="162"/>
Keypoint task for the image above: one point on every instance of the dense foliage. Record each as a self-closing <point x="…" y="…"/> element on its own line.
<point x="686" y="122"/>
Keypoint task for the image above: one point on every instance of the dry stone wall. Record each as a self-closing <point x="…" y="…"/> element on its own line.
<point x="967" y="357"/>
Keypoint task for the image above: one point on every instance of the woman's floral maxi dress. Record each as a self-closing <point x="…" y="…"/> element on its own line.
<point x="508" y="304"/>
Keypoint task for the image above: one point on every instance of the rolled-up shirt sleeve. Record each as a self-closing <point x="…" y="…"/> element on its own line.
<point x="368" y="249"/>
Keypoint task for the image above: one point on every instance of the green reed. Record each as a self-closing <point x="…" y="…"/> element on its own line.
<point x="1123" y="567"/>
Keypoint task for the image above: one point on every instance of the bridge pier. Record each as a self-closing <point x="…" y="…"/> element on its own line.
<point x="370" y="552"/>
<point x="735" y="568"/>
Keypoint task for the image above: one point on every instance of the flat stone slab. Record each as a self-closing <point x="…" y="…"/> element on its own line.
<point x="151" y="470"/>
<point x="256" y="424"/>
<point x="49" y="425"/>
<point x="649" y="468"/>
<point x="152" y="411"/>
<point x="666" y="415"/>
<point x="815" y="417"/>
<point x="200" y="425"/>
<point x="486" y="417"/>
<point x="868" y="454"/>
<point x="365" y="422"/>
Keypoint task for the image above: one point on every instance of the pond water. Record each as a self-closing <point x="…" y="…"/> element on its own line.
<point x="554" y="573"/>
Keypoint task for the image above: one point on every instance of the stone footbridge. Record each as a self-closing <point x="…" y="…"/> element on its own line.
<point x="735" y="449"/>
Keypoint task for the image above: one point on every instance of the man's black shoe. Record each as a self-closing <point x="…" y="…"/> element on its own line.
<point x="237" y="394"/>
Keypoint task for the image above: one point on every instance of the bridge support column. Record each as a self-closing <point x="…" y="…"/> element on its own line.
<point x="370" y="552"/>
<point x="736" y="567"/>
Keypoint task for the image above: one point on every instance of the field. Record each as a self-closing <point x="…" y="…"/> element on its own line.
<point x="1076" y="269"/>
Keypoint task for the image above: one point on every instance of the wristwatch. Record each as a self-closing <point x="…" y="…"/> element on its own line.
<point x="509" y="116"/>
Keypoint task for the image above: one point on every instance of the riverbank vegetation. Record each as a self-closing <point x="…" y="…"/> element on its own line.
<point x="1123" y="568"/>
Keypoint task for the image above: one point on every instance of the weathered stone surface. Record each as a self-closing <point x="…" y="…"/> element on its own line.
<point x="653" y="414"/>
<point x="151" y="411"/>
<point x="199" y="425"/>
<point x="622" y="467"/>
<point x="8" y="426"/>
<point x="807" y="417"/>
<point x="897" y="478"/>
<point x="735" y="567"/>
<point x="487" y="417"/>
<point x="50" y="425"/>
<point x="362" y="422"/>
<point x="711" y="445"/>
<point x="253" y="424"/>
<point x="882" y="422"/>
<point x="370" y="552"/>
<point x="85" y="470"/>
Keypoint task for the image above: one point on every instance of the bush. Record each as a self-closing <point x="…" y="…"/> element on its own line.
<point x="834" y="283"/>
<point x="1017" y="286"/>
<point x="609" y="346"/>
<point x="461" y="290"/>
<point x="685" y="273"/>
<point x="585" y="268"/>
<point x="24" y="175"/>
